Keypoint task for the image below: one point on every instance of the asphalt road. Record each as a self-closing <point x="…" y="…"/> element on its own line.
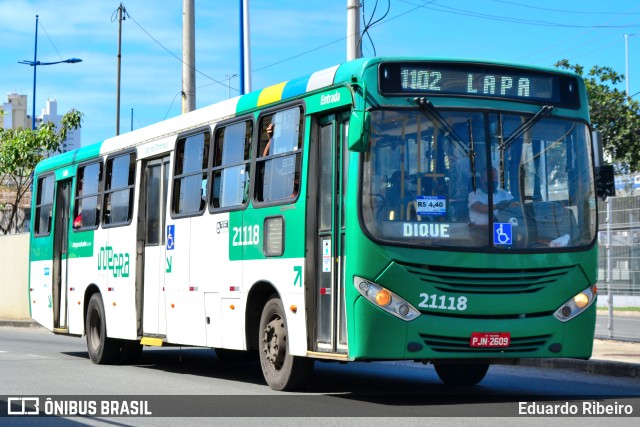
<point x="183" y="381"/>
<point x="625" y="328"/>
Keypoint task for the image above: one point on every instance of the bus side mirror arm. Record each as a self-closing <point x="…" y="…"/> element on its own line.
<point x="359" y="130"/>
<point x="359" y="121"/>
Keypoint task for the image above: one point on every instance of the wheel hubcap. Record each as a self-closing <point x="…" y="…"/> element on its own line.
<point x="275" y="342"/>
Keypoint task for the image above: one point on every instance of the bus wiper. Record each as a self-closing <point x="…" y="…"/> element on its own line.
<point x="544" y="112"/>
<point x="472" y="155"/>
<point x="435" y="115"/>
<point x="451" y="134"/>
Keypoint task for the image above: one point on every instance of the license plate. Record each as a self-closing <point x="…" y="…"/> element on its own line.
<point x="490" y="339"/>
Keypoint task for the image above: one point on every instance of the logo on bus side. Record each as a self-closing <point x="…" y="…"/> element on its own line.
<point x="330" y="99"/>
<point x="118" y="263"/>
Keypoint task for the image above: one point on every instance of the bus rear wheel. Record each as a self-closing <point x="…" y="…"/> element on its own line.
<point x="281" y="370"/>
<point x="102" y="350"/>
<point x="461" y="373"/>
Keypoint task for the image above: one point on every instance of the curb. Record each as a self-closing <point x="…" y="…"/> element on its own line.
<point x="594" y="366"/>
<point x="20" y="323"/>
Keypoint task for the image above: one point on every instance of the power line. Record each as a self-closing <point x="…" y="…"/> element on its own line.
<point x="600" y="37"/>
<point x="535" y="22"/>
<point x="371" y="23"/>
<point x="382" y="20"/>
<point x="51" y="41"/>
<point x="577" y="12"/>
<point x="173" y="54"/>
<point x="342" y="38"/>
<point x="374" y="24"/>
<point x="595" y="50"/>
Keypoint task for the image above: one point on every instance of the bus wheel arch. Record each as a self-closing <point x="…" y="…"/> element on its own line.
<point x="91" y="289"/>
<point x="257" y="298"/>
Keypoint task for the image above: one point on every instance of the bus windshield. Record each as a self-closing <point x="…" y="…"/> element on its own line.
<point x="473" y="179"/>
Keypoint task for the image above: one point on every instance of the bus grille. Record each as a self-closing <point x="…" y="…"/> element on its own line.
<point x="442" y="344"/>
<point x="486" y="281"/>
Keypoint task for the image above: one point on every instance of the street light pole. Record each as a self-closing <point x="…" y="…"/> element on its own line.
<point x="35" y="64"/>
<point x="35" y="60"/>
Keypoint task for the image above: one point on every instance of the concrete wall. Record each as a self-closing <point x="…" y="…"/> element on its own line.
<point x="14" y="276"/>
<point x="618" y="300"/>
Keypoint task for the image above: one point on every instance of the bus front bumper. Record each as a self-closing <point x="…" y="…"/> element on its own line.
<point x="378" y="335"/>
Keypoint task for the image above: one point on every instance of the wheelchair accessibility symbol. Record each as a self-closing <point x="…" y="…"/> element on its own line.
<point x="171" y="235"/>
<point x="502" y="233"/>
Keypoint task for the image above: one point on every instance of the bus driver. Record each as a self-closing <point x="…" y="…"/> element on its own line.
<point x="479" y="199"/>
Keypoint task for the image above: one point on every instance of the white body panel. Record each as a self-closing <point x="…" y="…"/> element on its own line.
<point x="41" y="274"/>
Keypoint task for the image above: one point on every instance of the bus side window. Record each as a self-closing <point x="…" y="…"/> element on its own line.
<point x="44" y="206"/>
<point x="87" y="206"/>
<point x="279" y="156"/>
<point x="118" y="193"/>
<point x="190" y="175"/>
<point x="231" y="156"/>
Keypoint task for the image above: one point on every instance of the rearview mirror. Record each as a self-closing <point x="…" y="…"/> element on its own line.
<point x="605" y="181"/>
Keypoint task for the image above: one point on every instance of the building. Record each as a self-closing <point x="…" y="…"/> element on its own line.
<point x="14" y="116"/>
<point x="50" y="114"/>
<point x="14" y="112"/>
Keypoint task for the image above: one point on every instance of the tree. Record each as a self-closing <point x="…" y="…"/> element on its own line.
<point x="614" y="114"/>
<point x="20" y="151"/>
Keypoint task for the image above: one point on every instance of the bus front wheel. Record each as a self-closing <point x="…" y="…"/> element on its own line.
<point x="102" y="350"/>
<point x="461" y="373"/>
<point x="281" y="370"/>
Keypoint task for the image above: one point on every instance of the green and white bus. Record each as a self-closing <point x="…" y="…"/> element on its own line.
<point x="347" y="231"/>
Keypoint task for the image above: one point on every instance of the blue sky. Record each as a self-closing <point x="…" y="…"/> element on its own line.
<point x="288" y="39"/>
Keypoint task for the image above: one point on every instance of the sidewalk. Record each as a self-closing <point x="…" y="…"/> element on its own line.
<point x="610" y="357"/>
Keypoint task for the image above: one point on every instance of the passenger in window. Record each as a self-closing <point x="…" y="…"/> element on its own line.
<point x="77" y="223"/>
<point x="270" y="130"/>
<point x="479" y="199"/>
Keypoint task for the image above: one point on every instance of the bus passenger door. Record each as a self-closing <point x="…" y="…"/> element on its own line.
<point x="329" y="234"/>
<point x="152" y="247"/>
<point x="60" y="252"/>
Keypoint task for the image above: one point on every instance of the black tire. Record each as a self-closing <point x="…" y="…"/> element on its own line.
<point x="281" y="370"/>
<point x="461" y="373"/>
<point x="102" y="350"/>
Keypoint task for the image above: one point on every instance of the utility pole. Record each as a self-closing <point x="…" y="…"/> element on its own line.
<point x="354" y="49"/>
<point x="245" y="48"/>
<point x="121" y="11"/>
<point x="188" y="57"/>
<point x="626" y="59"/>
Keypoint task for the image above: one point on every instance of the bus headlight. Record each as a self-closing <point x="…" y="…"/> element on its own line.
<point x="577" y="304"/>
<point x="385" y="299"/>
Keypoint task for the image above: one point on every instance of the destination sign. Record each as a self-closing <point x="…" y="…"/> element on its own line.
<point x="479" y="80"/>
